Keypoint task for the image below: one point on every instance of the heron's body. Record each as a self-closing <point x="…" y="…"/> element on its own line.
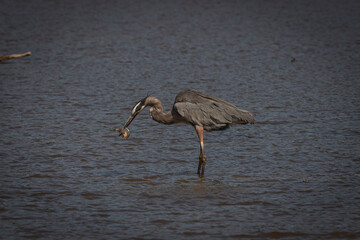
<point x="201" y="110"/>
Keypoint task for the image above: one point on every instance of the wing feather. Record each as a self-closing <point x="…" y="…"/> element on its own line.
<point x="212" y="113"/>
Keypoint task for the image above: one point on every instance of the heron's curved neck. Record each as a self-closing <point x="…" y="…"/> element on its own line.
<point x="157" y="112"/>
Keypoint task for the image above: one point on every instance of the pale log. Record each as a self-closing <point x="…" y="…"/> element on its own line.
<point x="6" y="57"/>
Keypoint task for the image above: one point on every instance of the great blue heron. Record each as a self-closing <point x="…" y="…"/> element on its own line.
<point x="198" y="109"/>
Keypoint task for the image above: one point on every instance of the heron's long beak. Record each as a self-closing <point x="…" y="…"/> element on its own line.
<point x="131" y="118"/>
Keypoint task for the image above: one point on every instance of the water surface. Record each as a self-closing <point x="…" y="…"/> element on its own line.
<point x="66" y="174"/>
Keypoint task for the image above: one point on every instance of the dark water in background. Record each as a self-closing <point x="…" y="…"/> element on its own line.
<point x="66" y="174"/>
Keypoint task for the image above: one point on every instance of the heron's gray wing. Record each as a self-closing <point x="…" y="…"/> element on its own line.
<point x="212" y="115"/>
<point x="193" y="96"/>
<point x="197" y="114"/>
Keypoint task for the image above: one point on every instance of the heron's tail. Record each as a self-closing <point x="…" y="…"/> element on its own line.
<point x="243" y="117"/>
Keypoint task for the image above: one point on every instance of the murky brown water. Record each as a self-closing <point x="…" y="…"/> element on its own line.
<point x="65" y="174"/>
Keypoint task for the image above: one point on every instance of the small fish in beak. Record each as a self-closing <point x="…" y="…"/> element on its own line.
<point x="125" y="132"/>
<point x="139" y="106"/>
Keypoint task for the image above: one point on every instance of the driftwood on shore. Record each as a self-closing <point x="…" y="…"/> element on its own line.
<point x="6" y="57"/>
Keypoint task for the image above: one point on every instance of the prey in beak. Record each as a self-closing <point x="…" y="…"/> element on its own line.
<point x="125" y="132"/>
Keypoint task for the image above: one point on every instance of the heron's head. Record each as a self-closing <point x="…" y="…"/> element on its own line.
<point x="139" y="106"/>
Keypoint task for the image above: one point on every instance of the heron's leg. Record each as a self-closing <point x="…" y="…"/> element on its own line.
<point x="202" y="158"/>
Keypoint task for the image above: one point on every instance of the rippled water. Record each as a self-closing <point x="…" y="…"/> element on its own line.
<point x="66" y="174"/>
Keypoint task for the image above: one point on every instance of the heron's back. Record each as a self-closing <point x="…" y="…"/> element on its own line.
<point x="212" y="113"/>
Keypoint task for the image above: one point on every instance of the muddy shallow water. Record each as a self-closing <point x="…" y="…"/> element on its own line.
<point x="65" y="173"/>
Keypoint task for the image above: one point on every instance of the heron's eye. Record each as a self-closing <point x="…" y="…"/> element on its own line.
<point x="136" y="108"/>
